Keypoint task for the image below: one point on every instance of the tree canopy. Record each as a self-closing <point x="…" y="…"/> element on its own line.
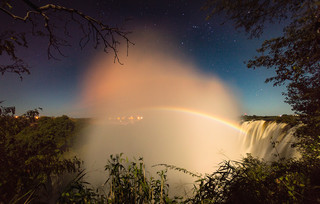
<point x="294" y="55"/>
<point x="32" y="153"/>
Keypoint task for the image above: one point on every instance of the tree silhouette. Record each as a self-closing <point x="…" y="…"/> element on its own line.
<point x="44" y="23"/>
<point x="294" y="55"/>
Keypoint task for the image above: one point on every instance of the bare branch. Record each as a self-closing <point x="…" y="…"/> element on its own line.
<point x="18" y="67"/>
<point x="25" y="18"/>
<point x="91" y="28"/>
<point x="102" y="30"/>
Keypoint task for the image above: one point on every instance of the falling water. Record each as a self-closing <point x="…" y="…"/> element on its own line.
<point x="268" y="140"/>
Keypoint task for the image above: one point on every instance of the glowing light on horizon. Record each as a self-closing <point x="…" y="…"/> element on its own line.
<point x="125" y="119"/>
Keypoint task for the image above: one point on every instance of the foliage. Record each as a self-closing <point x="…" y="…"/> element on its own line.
<point x="183" y="170"/>
<point x="309" y="137"/>
<point x="127" y="182"/>
<point x="294" y="55"/>
<point x="251" y="180"/>
<point x="255" y="181"/>
<point x="78" y="191"/>
<point x="31" y="153"/>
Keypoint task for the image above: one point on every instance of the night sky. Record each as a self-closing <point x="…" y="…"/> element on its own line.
<point x="55" y="85"/>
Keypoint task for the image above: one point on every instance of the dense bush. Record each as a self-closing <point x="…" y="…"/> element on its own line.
<point x="31" y="153"/>
<point x="255" y="181"/>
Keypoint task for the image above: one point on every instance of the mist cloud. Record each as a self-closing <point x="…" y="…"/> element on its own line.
<point x="155" y="77"/>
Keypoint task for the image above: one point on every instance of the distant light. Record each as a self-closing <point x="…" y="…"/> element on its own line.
<point x="36" y="117"/>
<point x="16" y="116"/>
<point x="126" y="119"/>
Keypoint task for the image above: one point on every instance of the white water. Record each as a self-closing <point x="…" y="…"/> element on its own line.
<point x="268" y="140"/>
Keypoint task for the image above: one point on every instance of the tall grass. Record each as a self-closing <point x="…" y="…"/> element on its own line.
<point x="127" y="182"/>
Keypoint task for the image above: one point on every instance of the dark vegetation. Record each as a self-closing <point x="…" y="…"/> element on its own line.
<point x="31" y="154"/>
<point x="33" y="151"/>
<point x="127" y="182"/>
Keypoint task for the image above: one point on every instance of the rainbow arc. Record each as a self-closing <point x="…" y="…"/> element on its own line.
<point x="230" y="124"/>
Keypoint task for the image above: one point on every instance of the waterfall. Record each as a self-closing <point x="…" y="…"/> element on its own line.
<point x="268" y="140"/>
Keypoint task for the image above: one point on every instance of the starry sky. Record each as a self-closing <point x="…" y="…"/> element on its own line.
<point x="216" y="49"/>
